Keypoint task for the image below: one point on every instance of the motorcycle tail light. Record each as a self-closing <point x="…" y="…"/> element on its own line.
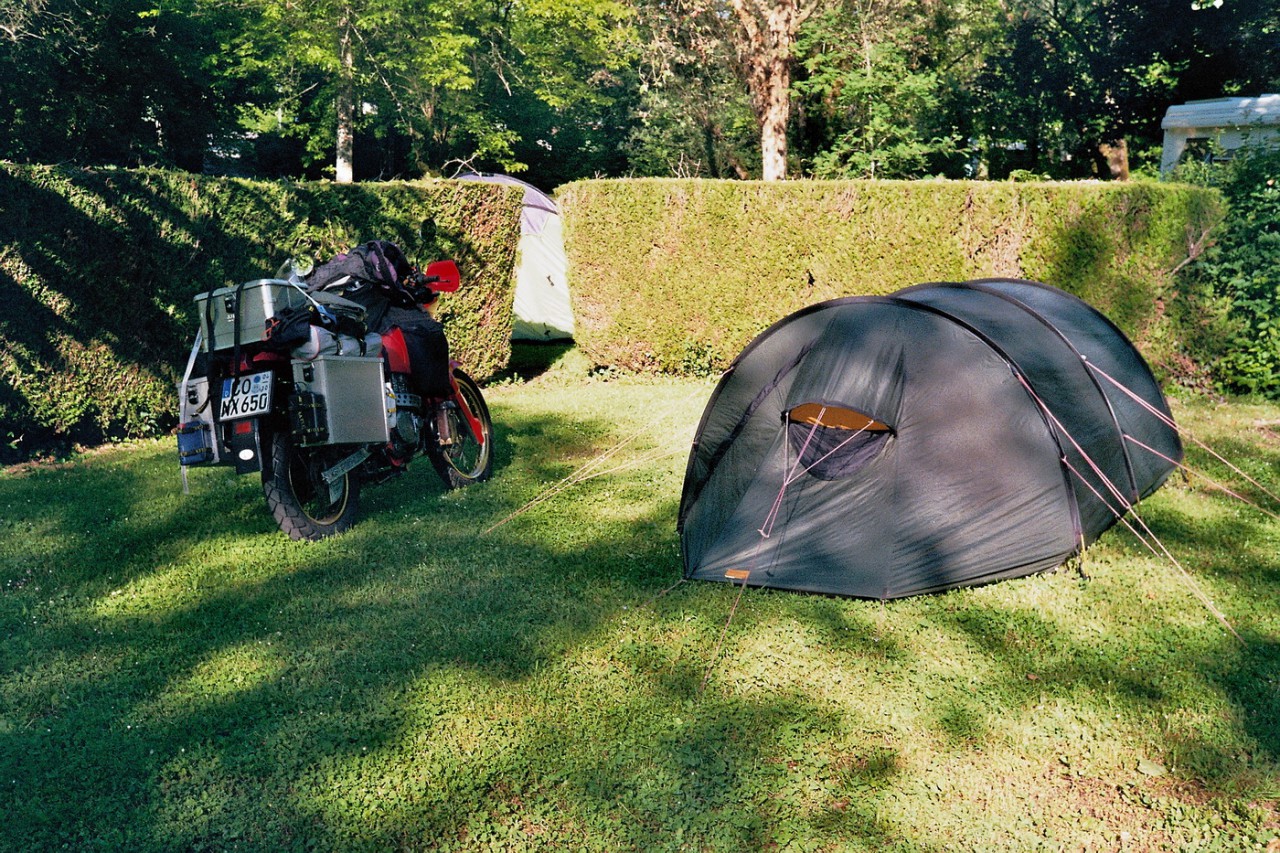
<point x="243" y="427"/>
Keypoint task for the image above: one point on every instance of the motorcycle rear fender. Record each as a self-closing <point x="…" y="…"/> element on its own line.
<point x="244" y="439"/>
<point x="261" y="360"/>
<point x="477" y="430"/>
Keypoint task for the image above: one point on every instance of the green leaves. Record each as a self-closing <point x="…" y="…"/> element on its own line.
<point x="1243" y="267"/>
<point x="460" y="80"/>
<point x="877" y="80"/>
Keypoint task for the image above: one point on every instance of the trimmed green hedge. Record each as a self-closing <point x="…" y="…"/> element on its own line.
<point x="679" y="275"/>
<point x="98" y="270"/>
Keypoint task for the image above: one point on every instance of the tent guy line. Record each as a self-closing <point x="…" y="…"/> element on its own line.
<point x="766" y="529"/>
<point x="1196" y="441"/>
<point x="1219" y="486"/>
<point x="1130" y="508"/>
<point x="1187" y="579"/>
<point x="587" y="471"/>
<point x="789" y="477"/>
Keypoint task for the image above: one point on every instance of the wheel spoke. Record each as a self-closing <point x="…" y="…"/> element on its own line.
<point x="304" y="505"/>
<point x="467" y="460"/>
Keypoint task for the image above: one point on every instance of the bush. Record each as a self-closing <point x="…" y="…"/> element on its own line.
<point x="98" y="270"/>
<point x="679" y="275"/>
<point x="1242" y="268"/>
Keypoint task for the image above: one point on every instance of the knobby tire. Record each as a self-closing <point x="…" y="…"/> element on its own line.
<point x="294" y="491"/>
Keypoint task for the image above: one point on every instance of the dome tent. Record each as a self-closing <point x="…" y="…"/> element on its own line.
<point x="542" y="309"/>
<point x="948" y="435"/>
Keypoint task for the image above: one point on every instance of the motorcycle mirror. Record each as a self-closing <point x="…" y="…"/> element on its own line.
<point x="296" y="268"/>
<point x="444" y="276"/>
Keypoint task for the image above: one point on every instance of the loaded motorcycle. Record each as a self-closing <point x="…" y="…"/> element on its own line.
<point x="285" y="380"/>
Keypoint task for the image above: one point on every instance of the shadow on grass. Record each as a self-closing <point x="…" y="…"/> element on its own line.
<point x="180" y="676"/>
<point x="531" y="359"/>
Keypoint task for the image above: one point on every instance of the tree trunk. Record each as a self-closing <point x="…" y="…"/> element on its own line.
<point x="346" y="103"/>
<point x="776" y="113"/>
<point x="765" y="37"/>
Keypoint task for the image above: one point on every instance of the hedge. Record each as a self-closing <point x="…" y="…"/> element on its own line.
<point x="679" y="275"/>
<point x="98" y="269"/>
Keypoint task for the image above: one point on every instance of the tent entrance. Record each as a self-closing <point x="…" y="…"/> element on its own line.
<point x="833" y="442"/>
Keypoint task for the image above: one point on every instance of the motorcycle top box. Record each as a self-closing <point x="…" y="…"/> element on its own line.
<point x="244" y="307"/>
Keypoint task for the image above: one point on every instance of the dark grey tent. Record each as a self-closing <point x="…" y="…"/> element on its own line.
<point x="947" y="435"/>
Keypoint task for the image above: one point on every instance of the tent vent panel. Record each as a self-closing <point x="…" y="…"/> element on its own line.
<point x="833" y="442"/>
<point x="825" y="415"/>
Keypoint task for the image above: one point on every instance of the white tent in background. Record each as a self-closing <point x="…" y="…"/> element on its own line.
<point x="542" y="309"/>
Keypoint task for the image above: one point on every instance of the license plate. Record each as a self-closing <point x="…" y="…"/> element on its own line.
<point x="245" y="396"/>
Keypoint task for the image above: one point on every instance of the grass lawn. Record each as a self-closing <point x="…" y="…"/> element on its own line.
<point x="177" y="675"/>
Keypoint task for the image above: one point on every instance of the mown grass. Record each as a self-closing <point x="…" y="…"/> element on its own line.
<point x="176" y="675"/>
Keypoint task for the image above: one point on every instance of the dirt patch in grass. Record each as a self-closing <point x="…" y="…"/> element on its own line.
<point x="1102" y="814"/>
<point x="1269" y="430"/>
<point x="1128" y="823"/>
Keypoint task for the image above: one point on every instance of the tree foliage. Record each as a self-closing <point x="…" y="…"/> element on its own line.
<point x="576" y="88"/>
<point x="876" y="84"/>
<point x="1070" y="76"/>
<point x="1243" y="268"/>
<point x="695" y="116"/>
<point x="705" y="55"/>
<point x="122" y="82"/>
<point x="465" y="80"/>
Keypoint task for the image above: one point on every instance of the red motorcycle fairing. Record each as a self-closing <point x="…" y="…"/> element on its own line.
<point x="397" y="353"/>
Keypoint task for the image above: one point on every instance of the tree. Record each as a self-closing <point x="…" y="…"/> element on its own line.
<point x="877" y="73"/>
<point x="754" y="40"/>
<point x="16" y="17"/>
<point x="1072" y="77"/>
<point x="112" y="82"/>
<point x="765" y="39"/>
<point x="449" y="80"/>
<point x="695" y="116"/>
<point x="298" y="60"/>
<point x="345" y="99"/>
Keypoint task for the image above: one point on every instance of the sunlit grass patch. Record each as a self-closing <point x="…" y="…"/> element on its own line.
<point x="461" y="672"/>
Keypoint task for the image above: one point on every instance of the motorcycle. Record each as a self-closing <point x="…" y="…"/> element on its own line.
<point x="327" y="408"/>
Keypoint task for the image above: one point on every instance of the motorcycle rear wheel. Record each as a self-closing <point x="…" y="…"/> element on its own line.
<point x="466" y="461"/>
<point x="298" y="497"/>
